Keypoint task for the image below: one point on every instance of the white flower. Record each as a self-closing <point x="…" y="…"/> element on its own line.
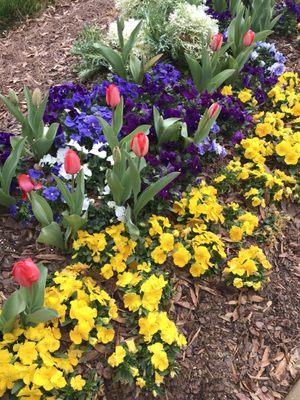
<point x="86" y="171"/>
<point x="48" y="160"/>
<point x="111" y="160"/>
<point x="60" y="156"/>
<point x="106" y="191"/>
<point x="254" y="55"/>
<point x="86" y="203"/>
<point x="111" y="204"/>
<point x="78" y="147"/>
<point x="96" y="150"/>
<point x="120" y="213"/>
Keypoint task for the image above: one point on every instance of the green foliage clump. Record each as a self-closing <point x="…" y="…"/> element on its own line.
<point x="12" y="11"/>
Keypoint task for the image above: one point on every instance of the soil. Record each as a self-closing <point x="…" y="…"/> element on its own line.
<point x="241" y="345"/>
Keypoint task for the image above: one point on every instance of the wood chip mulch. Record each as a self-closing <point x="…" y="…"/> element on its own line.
<point x="241" y="345"/>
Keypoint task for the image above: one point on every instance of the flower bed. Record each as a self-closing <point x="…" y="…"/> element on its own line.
<point x="88" y="167"/>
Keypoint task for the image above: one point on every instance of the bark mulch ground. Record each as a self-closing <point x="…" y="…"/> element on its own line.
<point x="37" y="53"/>
<point x="241" y="345"/>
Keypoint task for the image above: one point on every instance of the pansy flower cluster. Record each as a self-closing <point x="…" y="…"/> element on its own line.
<point x="264" y="67"/>
<point x="248" y="269"/>
<point x="5" y="146"/>
<point x="42" y="360"/>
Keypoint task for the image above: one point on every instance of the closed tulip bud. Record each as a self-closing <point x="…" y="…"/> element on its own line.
<point x="72" y="162"/>
<point x="248" y="38"/>
<point x="37" y="97"/>
<point x="27" y="185"/>
<point x="216" y="42"/>
<point x="213" y="110"/>
<point x="26" y="272"/>
<point x="117" y="156"/>
<point x="140" y="144"/>
<point x="13" y="97"/>
<point x="113" y="97"/>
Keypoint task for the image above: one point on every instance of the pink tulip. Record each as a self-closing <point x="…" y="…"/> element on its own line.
<point x="213" y="110"/>
<point x="113" y="97"/>
<point x="72" y="162"/>
<point x="27" y="185"/>
<point x="248" y="38"/>
<point x="140" y="144"/>
<point x="216" y="42"/>
<point x="26" y="272"/>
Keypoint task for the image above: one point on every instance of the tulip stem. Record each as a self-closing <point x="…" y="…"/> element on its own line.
<point x="73" y="183"/>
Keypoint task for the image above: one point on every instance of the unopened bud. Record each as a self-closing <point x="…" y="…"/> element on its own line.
<point x="117" y="156"/>
<point x="36" y="97"/>
<point x="13" y="96"/>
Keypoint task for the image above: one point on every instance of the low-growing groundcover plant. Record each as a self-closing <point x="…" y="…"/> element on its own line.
<point x="12" y="11"/>
<point x="230" y="156"/>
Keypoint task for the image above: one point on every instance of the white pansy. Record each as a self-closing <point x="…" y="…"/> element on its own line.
<point x="87" y="172"/>
<point x="61" y="153"/>
<point x="98" y="150"/>
<point x="48" y="160"/>
<point x="106" y="191"/>
<point x="86" y="203"/>
<point x="120" y="213"/>
<point x="111" y="160"/>
<point x="111" y="204"/>
<point x="78" y="147"/>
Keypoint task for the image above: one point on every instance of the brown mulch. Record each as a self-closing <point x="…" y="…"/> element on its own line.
<point x="37" y="53"/>
<point x="241" y="345"/>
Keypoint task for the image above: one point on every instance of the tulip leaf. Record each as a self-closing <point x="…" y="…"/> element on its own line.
<point x="13" y="109"/>
<point x="131" y="227"/>
<point x="38" y="289"/>
<point x="42" y="315"/>
<point x="152" y="190"/>
<point x="13" y="306"/>
<point x="118" y="118"/>
<point x="108" y="131"/>
<point x="141" y="128"/>
<point x="52" y="236"/>
<point x="128" y="46"/>
<point x="115" y="186"/>
<point x="134" y="177"/>
<point x="78" y="195"/>
<point x="64" y="191"/>
<point x="6" y="200"/>
<point x="217" y="80"/>
<point x="9" y="168"/>
<point x="41" y="209"/>
<point x="113" y="58"/>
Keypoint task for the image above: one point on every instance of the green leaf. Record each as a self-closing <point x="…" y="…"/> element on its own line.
<point x="13" y="109"/>
<point x="218" y="80"/>
<point x="141" y="128"/>
<point x="75" y="222"/>
<point x="115" y="186"/>
<point x="120" y="26"/>
<point x="109" y="134"/>
<point x="41" y="209"/>
<point x="42" y="315"/>
<point x="6" y="200"/>
<point x="64" y="191"/>
<point x="134" y="177"/>
<point x="195" y="69"/>
<point x="149" y="64"/>
<point x="9" y="168"/>
<point x="38" y="289"/>
<point x="18" y="385"/>
<point x="131" y="41"/>
<point x="13" y="306"/>
<point x="127" y="185"/>
<point x="118" y="118"/>
<point x="113" y="58"/>
<point x="52" y="236"/>
<point x="131" y="227"/>
<point x="152" y="190"/>
<point x="136" y="68"/>
<point x="78" y="195"/>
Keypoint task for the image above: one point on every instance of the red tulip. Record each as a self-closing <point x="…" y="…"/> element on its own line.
<point x="140" y="144"/>
<point x="213" y="109"/>
<point x="72" y="162"/>
<point x="248" y="38"/>
<point x="216" y="42"/>
<point x="113" y="97"/>
<point x="26" y="272"/>
<point x="26" y="185"/>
